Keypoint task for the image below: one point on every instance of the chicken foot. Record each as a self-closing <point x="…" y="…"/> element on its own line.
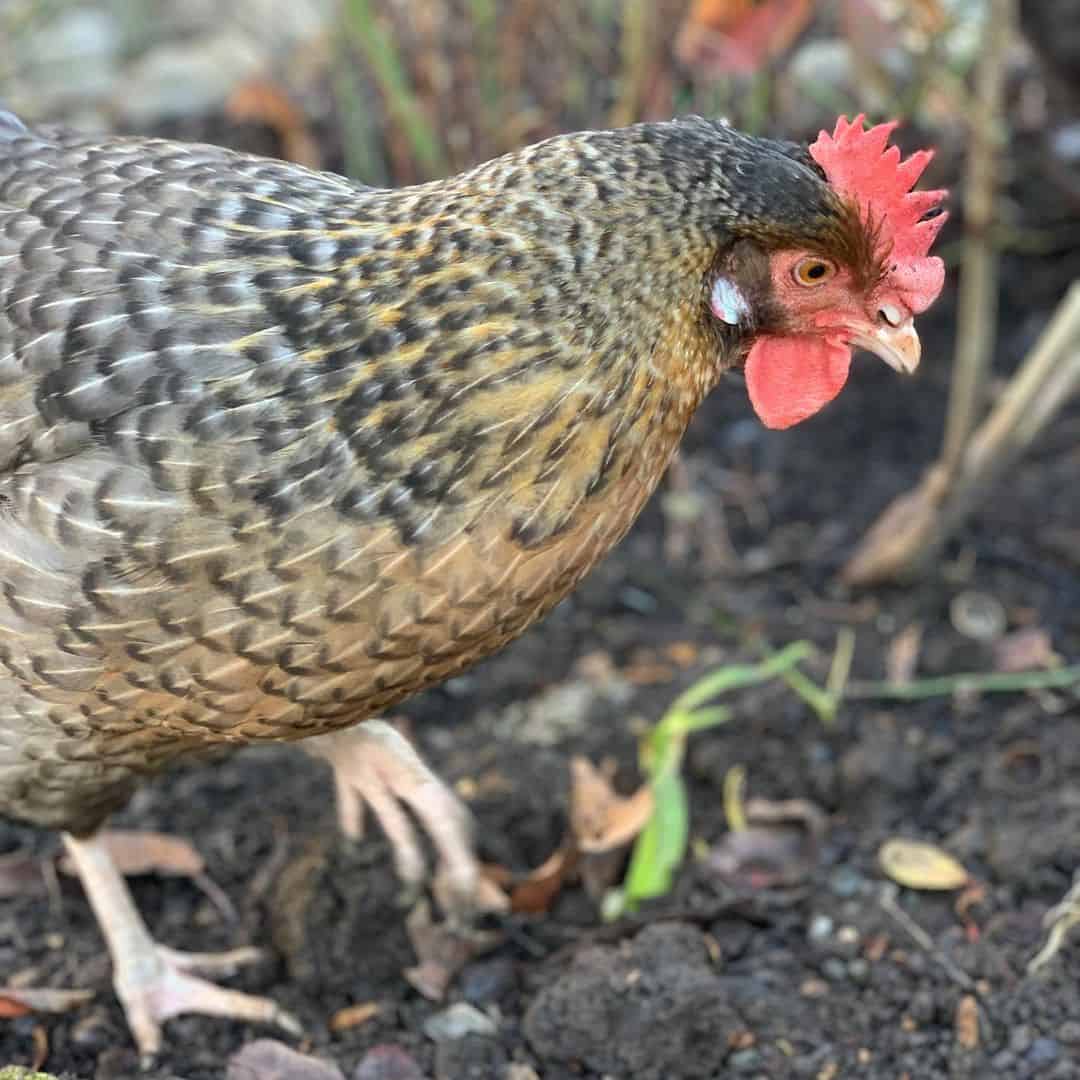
<point x="375" y="764"/>
<point x="153" y="982"/>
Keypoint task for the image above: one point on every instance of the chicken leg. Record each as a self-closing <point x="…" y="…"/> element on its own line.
<point x="375" y="764"/>
<point x="152" y="981"/>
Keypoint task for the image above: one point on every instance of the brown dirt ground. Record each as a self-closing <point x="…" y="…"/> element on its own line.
<point x="818" y="980"/>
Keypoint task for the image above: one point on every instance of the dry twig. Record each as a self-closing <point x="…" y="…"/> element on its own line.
<point x="1059" y="920"/>
<point x="977" y="316"/>
<point x="915" y="526"/>
<point x="887" y="899"/>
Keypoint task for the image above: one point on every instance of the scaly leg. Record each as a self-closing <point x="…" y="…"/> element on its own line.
<point x="375" y="764"/>
<point x="152" y="981"/>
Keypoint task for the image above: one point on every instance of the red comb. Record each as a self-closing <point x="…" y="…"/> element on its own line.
<point x="860" y="165"/>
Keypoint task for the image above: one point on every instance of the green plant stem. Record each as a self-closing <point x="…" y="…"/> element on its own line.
<point x="661" y="846"/>
<point x="484" y="15"/>
<point x="363" y="161"/>
<point x="821" y="701"/>
<point x="738" y="676"/>
<point x="984" y="683"/>
<point x="634" y="60"/>
<point x="384" y="59"/>
<point x="840" y="668"/>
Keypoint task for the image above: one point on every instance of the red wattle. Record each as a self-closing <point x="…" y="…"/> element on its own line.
<point x="791" y="378"/>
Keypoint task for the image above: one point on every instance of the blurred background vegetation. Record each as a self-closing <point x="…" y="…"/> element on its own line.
<point x="394" y="91"/>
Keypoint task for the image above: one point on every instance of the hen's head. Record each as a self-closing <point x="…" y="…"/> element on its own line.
<point x="804" y="302"/>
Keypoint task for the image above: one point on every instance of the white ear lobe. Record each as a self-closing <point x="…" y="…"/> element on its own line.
<point x="728" y="303"/>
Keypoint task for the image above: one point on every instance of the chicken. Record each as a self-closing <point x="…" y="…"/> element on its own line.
<point x="278" y="450"/>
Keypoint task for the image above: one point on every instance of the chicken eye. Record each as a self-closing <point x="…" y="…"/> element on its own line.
<point x="812" y="271"/>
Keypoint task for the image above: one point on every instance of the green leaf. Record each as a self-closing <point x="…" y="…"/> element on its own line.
<point x="736" y="676"/>
<point x="660" y="847"/>
<point x="702" y="719"/>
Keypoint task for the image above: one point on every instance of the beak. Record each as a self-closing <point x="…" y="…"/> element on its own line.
<point x="897" y="345"/>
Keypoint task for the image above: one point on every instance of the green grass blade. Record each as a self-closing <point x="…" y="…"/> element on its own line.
<point x="661" y="846"/>
<point x="383" y="57"/>
<point x="737" y="676"/>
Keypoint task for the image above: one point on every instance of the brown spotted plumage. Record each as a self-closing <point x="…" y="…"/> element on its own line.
<point x="278" y="450"/>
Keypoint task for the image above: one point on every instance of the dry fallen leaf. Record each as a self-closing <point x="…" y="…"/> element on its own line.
<point x="442" y="950"/>
<point x="489" y="896"/>
<point x="903" y="527"/>
<point x="1025" y="650"/>
<point x="778" y="847"/>
<point x="973" y="893"/>
<point x="262" y="102"/>
<point x="684" y="653"/>
<point x="40" y="1038"/>
<point x="135" y="852"/>
<point x="929" y="15"/>
<point x="537" y="892"/>
<point x="902" y="655"/>
<point x="643" y="672"/>
<point x="268" y="1059"/>
<point x="353" y="1015"/>
<point x="18" y="1001"/>
<point x="600" y="872"/>
<point x="602" y="823"/>
<point x="726" y="37"/>
<point x="966" y="1022"/>
<point x="917" y="865"/>
<point x="21" y="875"/>
<point x="597" y="667"/>
<point x="600" y="819"/>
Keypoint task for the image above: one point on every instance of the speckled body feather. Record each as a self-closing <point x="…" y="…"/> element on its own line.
<point x="277" y="450"/>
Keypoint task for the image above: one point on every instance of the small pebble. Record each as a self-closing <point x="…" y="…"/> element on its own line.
<point x="1066" y="142"/>
<point x="1069" y="1032"/>
<point x="745" y="1060"/>
<point x="456" y="1022"/>
<point x="269" y="1059"/>
<point x="1020" y="1038"/>
<point x="821" y="927"/>
<point x="517" y="1071"/>
<point x="487" y="981"/>
<point x="847" y="941"/>
<point x="978" y="616"/>
<point x="741" y="434"/>
<point x="1063" y="1070"/>
<point x="387" y="1062"/>
<point x="845" y="881"/>
<point x="834" y="970"/>
<point x="858" y="969"/>
<point x="1002" y="1061"/>
<point x="637" y="600"/>
<point x="1043" y="1051"/>
<point x="460" y="686"/>
<point x="471" y="1058"/>
<point x="813" y="988"/>
<point x="93" y="1030"/>
<point x="922" y="1008"/>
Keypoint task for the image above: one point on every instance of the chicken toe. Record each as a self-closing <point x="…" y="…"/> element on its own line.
<point x="153" y="982"/>
<point x="374" y="764"/>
